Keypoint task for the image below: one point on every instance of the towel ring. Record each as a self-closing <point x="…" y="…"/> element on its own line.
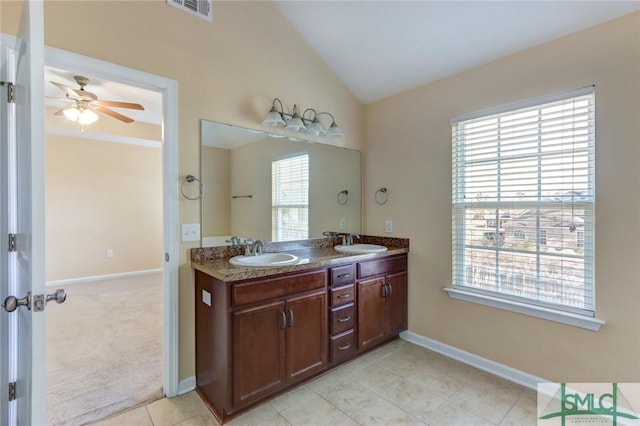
<point x="189" y="179"/>
<point x="381" y="196"/>
<point x="343" y="195"/>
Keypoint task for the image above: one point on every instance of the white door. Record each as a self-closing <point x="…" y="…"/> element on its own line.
<point x="25" y="353"/>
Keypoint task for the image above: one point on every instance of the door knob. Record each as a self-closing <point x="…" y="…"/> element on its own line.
<point x="12" y="303"/>
<point x="59" y="296"/>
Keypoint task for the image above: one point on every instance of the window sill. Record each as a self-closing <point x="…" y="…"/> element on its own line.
<point x="568" y="318"/>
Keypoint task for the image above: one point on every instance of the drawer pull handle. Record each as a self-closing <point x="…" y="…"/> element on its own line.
<point x="344" y="347"/>
<point x="344" y="296"/>
<point x="344" y="275"/>
<point x="345" y="319"/>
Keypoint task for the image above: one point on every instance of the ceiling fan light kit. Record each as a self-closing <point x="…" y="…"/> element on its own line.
<point x="86" y="105"/>
<point x="310" y="125"/>
<point x="80" y="115"/>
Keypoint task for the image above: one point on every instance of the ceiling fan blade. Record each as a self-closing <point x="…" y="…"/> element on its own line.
<point x="56" y="98"/>
<point x="69" y="91"/>
<point x="113" y="114"/>
<point x="119" y="104"/>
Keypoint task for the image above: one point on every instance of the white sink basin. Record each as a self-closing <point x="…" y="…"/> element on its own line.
<point x="361" y="248"/>
<point x="265" y="260"/>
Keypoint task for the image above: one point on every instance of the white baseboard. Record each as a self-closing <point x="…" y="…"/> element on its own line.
<point x="186" y="385"/>
<point x="501" y="370"/>
<point x="83" y="280"/>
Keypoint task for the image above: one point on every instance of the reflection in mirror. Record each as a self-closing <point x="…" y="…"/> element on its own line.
<point x="273" y="188"/>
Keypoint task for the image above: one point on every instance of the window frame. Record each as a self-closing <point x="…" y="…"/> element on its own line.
<point x="276" y="208"/>
<point x="584" y="318"/>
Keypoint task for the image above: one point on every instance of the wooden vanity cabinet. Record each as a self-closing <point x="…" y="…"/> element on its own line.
<point x="257" y="337"/>
<point x="342" y="313"/>
<point x="382" y="300"/>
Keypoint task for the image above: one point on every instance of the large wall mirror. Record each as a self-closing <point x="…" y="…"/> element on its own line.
<point x="276" y="189"/>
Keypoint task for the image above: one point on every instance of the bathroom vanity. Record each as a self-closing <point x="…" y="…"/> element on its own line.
<point x="260" y="331"/>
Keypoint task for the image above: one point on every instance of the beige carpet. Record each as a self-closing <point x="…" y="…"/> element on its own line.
<point x="104" y="349"/>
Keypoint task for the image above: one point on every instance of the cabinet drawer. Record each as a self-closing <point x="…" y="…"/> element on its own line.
<point x="342" y="295"/>
<point x="343" y="346"/>
<point x="342" y="275"/>
<point x="257" y="291"/>
<point x="382" y="267"/>
<point x="341" y="318"/>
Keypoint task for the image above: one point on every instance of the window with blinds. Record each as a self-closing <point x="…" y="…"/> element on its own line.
<point x="290" y="198"/>
<point x="523" y="202"/>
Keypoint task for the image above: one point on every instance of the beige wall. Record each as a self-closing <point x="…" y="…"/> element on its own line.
<point x="102" y="195"/>
<point x="216" y="200"/>
<point x="417" y="169"/>
<point x="228" y="71"/>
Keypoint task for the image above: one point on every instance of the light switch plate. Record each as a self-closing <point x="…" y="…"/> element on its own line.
<point x="388" y="226"/>
<point x="343" y="223"/>
<point x="190" y="232"/>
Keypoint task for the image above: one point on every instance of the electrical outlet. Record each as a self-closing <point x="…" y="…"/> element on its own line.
<point x="388" y="226"/>
<point x="190" y="232"/>
<point x="343" y="223"/>
<point x="109" y="253"/>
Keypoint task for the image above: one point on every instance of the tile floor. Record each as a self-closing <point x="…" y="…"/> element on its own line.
<point x="396" y="384"/>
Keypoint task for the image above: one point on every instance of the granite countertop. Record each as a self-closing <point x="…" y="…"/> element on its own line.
<point x="312" y="257"/>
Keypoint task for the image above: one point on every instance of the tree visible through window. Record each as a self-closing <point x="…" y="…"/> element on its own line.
<point x="523" y="202"/>
<point x="290" y="198"/>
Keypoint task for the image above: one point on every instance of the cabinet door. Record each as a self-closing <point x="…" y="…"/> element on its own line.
<point x="396" y="303"/>
<point x="258" y="352"/>
<point x="371" y="313"/>
<point x="306" y="336"/>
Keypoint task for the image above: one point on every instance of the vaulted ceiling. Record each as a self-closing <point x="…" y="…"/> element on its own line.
<point x="380" y="48"/>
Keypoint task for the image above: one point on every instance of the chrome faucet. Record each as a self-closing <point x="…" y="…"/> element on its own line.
<point x="253" y="248"/>
<point x="257" y="247"/>
<point x="235" y="241"/>
<point x="349" y="239"/>
<point x="249" y="249"/>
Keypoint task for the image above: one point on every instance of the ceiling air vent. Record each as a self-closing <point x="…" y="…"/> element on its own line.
<point x="201" y="8"/>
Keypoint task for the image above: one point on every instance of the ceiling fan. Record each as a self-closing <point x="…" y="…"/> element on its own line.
<point x="86" y="105"/>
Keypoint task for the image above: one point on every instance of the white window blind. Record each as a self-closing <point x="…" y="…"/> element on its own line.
<point x="290" y="198"/>
<point x="523" y="202"/>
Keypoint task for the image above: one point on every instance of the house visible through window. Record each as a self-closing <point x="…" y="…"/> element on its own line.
<point x="290" y="198"/>
<point x="523" y="202"/>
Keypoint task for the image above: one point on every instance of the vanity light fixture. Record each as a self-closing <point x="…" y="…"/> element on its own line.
<point x="334" y="131"/>
<point x="296" y="124"/>
<point x="301" y="123"/>
<point x="274" y="118"/>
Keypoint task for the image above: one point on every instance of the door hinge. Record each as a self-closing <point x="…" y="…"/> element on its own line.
<point x="12" y="391"/>
<point x="11" y="95"/>
<point x="12" y="242"/>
